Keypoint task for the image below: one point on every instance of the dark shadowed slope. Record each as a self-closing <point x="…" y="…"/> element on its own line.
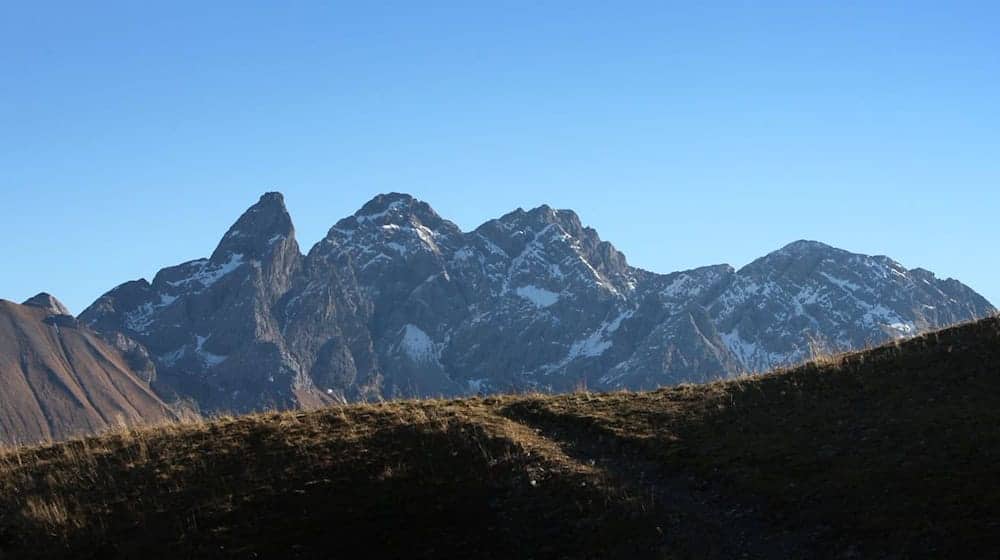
<point x="888" y="453"/>
<point x="59" y="379"/>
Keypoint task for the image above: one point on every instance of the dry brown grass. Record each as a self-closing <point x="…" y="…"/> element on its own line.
<point x="233" y="479"/>
<point x="888" y="451"/>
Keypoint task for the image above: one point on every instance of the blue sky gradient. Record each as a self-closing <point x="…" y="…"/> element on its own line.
<point x="689" y="134"/>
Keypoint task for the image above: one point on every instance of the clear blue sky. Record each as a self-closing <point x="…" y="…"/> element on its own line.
<point x="132" y="134"/>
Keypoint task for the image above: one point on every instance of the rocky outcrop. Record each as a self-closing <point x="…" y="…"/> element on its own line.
<point x="213" y="327"/>
<point x="49" y="303"/>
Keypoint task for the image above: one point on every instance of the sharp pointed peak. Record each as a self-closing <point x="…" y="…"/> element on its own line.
<point x="269" y="202"/>
<point x="49" y="302"/>
<point x="272" y="197"/>
<point x="259" y="228"/>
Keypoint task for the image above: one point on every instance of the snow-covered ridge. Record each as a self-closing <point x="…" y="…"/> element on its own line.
<point x="206" y="273"/>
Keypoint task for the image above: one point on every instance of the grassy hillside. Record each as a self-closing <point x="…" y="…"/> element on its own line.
<point x="888" y="452"/>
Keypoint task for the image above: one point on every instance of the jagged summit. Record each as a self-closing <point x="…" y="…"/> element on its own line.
<point x="391" y="231"/>
<point x="49" y="302"/>
<point x="544" y="226"/>
<point x="262" y="227"/>
<point x="393" y="209"/>
<point x="540" y="216"/>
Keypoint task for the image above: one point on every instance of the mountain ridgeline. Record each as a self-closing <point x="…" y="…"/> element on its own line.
<point x="397" y="301"/>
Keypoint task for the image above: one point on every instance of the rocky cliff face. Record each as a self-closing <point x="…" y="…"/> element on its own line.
<point x="397" y="301"/>
<point x="214" y="326"/>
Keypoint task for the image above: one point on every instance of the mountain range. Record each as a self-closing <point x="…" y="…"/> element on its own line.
<point x="397" y="301"/>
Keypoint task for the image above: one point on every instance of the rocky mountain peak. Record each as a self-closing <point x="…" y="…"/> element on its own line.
<point x="804" y="246"/>
<point x="260" y="229"/>
<point x="796" y="259"/>
<point x="538" y="218"/>
<point x="395" y="209"/>
<point x="390" y="230"/>
<point x="516" y="230"/>
<point x="386" y="203"/>
<point x="48" y="302"/>
<point x="549" y="215"/>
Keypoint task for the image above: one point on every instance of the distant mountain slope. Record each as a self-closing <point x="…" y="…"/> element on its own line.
<point x="887" y="453"/>
<point x="59" y="379"/>
<point x="398" y="301"/>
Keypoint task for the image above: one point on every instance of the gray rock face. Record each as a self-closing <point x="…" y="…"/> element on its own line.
<point x="213" y="326"/>
<point x="48" y="302"/>
<point x="397" y="301"/>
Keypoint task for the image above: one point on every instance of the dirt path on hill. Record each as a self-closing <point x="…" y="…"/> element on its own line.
<point x="697" y="521"/>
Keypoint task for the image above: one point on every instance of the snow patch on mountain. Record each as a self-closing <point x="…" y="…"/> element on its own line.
<point x="416" y="344"/>
<point x="427" y="236"/>
<point x="393" y="207"/>
<point x="476" y="386"/>
<point x="751" y="355"/>
<point x="140" y="319"/>
<point x="207" y="274"/>
<point x="683" y="285"/>
<point x="209" y="358"/>
<point x="592" y="346"/>
<point x="170" y="358"/>
<point x="539" y="297"/>
<point x="904" y="329"/>
<point x="841" y="283"/>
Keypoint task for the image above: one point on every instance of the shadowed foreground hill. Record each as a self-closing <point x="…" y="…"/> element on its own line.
<point x="886" y="453"/>
<point x="59" y="379"/>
